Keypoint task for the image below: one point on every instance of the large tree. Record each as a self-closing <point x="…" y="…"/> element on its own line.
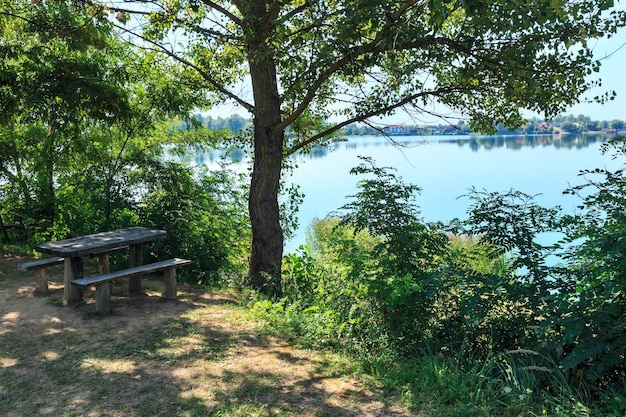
<point x="59" y="74"/>
<point x="80" y="109"/>
<point x="314" y="66"/>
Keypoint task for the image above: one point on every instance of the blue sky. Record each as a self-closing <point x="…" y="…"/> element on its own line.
<point x="613" y="75"/>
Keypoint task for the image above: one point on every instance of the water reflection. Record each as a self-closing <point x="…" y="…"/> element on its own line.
<point x="477" y="143"/>
<point x="214" y="156"/>
<point x="473" y="142"/>
<point x="444" y="167"/>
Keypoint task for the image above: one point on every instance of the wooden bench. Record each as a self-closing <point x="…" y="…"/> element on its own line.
<point x="39" y="267"/>
<point x="103" y="282"/>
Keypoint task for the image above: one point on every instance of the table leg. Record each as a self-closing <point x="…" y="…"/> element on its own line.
<point x="73" y="270"/>
<point x="134" y="257"/>
<point x="170" y="284"/>
<point x="103" y="291"/>
<point x="103" y="264"/>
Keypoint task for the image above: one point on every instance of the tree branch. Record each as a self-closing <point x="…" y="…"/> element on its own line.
<point x="205" y="75"/>
<point x="369" y="48"/>
<point x="223" y="11"/>
<point x="294" y="12"/>
<point x="365" y="116"/>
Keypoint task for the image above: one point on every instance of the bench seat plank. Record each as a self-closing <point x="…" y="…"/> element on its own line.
<point x="103" y="281"/>
<point x="41" y="277"/>
<point x="138" y="270"/>
<point x="40" y="263"/>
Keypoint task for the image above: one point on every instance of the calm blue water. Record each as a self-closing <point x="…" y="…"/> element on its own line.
<point x="446" y="167"/>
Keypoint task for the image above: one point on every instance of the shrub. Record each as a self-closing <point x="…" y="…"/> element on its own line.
<point x="388" y="287"/>
<point x="589" y="322"/>
<point x="204" y="218"/>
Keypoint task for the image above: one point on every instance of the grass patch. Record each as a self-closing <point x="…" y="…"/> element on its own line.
<point x="444" y="385"/>
<point x="200" y="356"/>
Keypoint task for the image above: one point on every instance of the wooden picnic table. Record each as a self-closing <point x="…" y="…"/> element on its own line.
<point x="99" y="244"/>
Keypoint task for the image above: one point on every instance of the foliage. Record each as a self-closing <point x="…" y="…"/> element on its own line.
<point x="397" y="274"/>
<point x="60" y="65"/>
<point x="456" y="43"/>
<point x="53" y="86"/>
<point x="391" y="282"/>
<point x="318" y="280"/>
<point x="234" y="123"/>
<point x="203" y="216"/>
<point x="547" y="316"/>
<point x="79" y="111"/>
<point x="578" y="307"/>
<point x="589" y="322"/>
<point x="513" y="221"/>
<point x="86" y="126"/>
<point x="480" y="308"/>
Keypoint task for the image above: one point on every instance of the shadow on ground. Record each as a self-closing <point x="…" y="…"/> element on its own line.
<point x="198" y="356"/>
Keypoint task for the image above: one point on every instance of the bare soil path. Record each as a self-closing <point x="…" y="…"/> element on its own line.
<point x="198" y="356"/>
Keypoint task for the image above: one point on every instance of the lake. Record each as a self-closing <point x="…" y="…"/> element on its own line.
<point x="446" y="167"/>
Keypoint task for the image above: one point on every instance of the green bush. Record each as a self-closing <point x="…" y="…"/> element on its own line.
<point x="318" y="280"/>
<point x="541" y="324"/>
<point x="588" y="326"/>
<point x="398" y="275"/>
<point x="205" y="219"/>
<point x="392" y="282"/>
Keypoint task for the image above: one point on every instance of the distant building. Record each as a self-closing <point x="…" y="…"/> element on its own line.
<point x="399" y="130"/>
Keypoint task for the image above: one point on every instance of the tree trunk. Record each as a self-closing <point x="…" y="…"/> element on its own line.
<point x="5" y="234"/>
<point x="267" y="235"/>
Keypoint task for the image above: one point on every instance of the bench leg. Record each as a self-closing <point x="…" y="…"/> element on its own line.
<point x="41" y="282"/>
<point x="103" y="297"/>
<point x="170" y="284"/>
<point x="134" y="258"/>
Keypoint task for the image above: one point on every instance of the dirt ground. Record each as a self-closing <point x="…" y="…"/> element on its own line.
<point x="198" y="356"/>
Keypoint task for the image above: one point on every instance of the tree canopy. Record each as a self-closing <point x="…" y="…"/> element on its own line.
<point x="79" y="108"/>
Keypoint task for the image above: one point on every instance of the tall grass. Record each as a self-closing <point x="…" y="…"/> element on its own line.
<point x="446" y="382"/>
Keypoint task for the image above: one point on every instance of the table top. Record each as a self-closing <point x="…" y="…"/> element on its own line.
<point x="100" y="242"/>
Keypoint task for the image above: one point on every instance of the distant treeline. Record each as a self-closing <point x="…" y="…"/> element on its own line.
<point x="234" y="123"/>
<point x="560" y="124"/>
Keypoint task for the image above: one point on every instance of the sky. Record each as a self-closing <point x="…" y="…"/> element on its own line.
<point x="612" y="52"/>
